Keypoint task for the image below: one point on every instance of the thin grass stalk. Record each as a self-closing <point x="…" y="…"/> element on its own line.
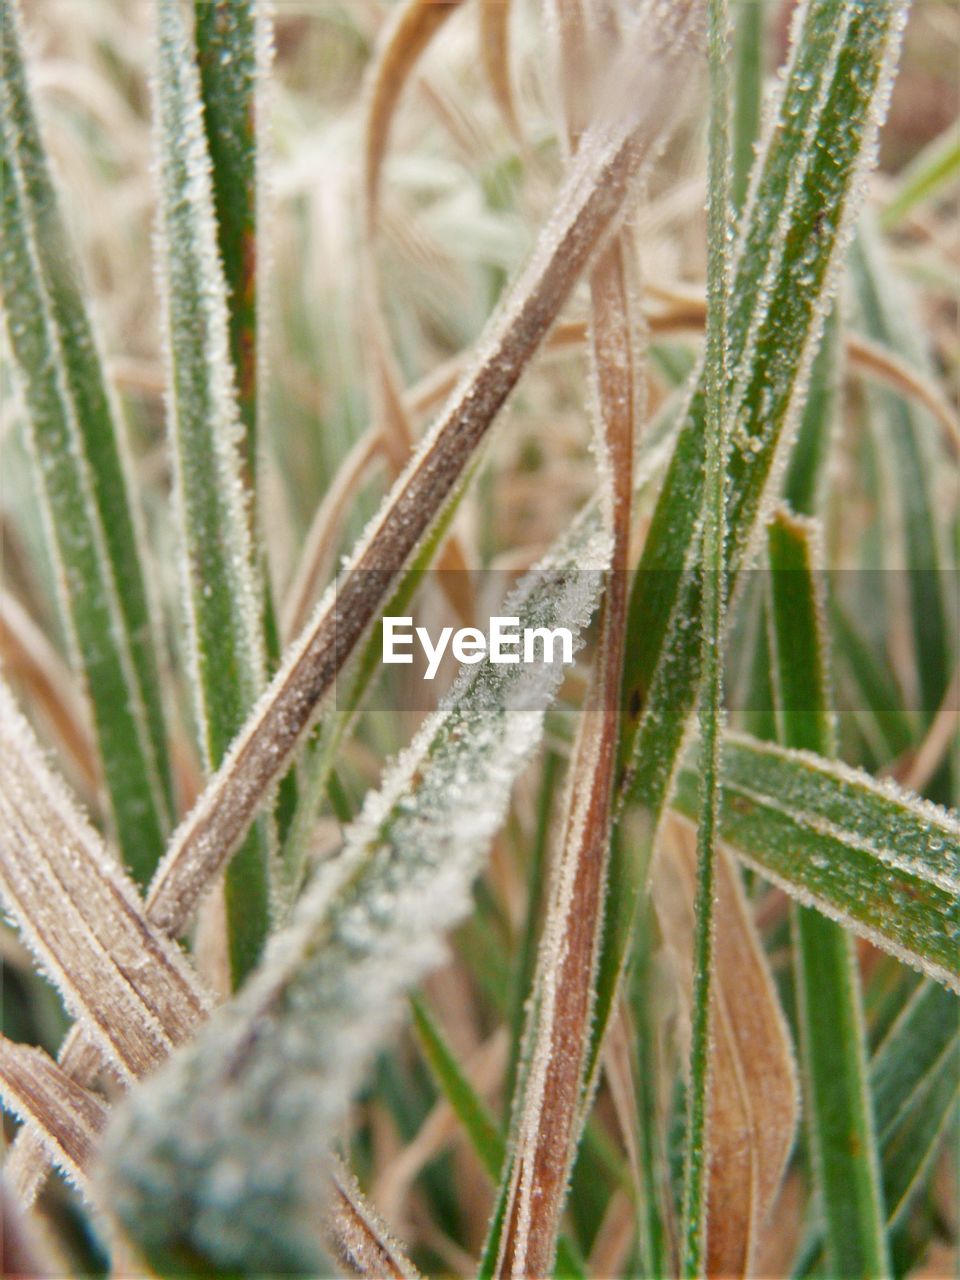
<point x="841" y="1127"/>
<point x="697" y="1139"/>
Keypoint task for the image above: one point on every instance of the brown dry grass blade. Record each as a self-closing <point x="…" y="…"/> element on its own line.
<point x="81" y="915"/>
<point x="411" y="30"/>
<point x="357" y="1236"/>
<point x="62" y="1116"/>
<point x="494" y="19"/>
<point x="27" y="655"/>
<point x="404" y="42"/>
<point x="548" y="1126"/>
<point x="753" y="1079"/>
<point x="588" y="206"/>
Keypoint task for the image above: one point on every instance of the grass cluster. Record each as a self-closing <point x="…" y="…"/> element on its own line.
<point x="646" y="967"/>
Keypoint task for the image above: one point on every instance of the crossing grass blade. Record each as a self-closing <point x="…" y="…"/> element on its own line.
<point x="806" y="190"/>
<point x="868" y="854"/>
<point x="82" y="475"/>
<point x="221" y="594"/>
<point x="364" y="933"/>
<point x="840" y="1122"/>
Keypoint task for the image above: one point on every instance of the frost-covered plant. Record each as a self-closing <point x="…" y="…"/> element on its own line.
<point x="744" y="904"/>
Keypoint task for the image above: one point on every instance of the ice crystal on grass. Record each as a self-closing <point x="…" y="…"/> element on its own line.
<point x="258" y="1097"/>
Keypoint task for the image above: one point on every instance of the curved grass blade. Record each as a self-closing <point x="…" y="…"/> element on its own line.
<point x="258" y="1096"/>
<point x="222" y="598"/>
<point x="79" y="454"/>
<point x="840" y="1122"/>
<point x="494" y="17"/>
<point x="806" y="190"/>
<point x="868" y="854"/>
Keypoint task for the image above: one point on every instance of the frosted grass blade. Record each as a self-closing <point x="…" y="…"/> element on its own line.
<point x="262" y="1089"/>
<point x="77" y="444"/>
<point x="232" y="40"/>
<point x="80" y="914"/>
<point x="222" y="599"/>
<point x="615" y="149"/>
<point x="868" y="854"/>
<point x="840" y="1122"/>
<point x="713" y="612"/>
<point x="357" y="1236"/>
<point x="548" y="1112"/>
<point x="749" y="17"/>
<point x="67" y="1120"/>
<point x="806" y="190"/>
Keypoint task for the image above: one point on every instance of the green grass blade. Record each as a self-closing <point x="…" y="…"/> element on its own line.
<point x="875" y="687"/>
<point x="231" y="48"/>
<point x="485" y="1138"/>
<point x="923" y="1035"/>
<point x="936" y="166"/>
<point x="909" y="436"/>
<point x="806" y="196"/>
<point x="713" y="628"/>
<point x="270" y="1079"/>
<point x="841" y="1129"/>
<point x="806" y="470"/>
<point x="748" y="52"/>
<point x="877" y="859"/>
<point x="78" y="449"/>
<point x="221" y="595"/>
<point x="914" y="1079"/>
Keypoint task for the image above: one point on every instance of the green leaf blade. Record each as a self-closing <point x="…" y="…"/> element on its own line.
<point x="222" y="596"/>
<point x="78" y="452"/>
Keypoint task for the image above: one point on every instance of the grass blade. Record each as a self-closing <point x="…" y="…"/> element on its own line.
<point x="66" y="1119"/>
<point x="222" y="599"/>
<point x="841" y="1128"/>
<point x="358" y="1238"/>
<point x="820" y="142"/>
<point x="477" y="1122"/>
<point x="232" y="47"/>
<point x="754" y="1094"/>
<point x="548" y="1111"/>
<point x="79" y="455"/>
<point x="80" y="914"/>
<point x="907" y="437"/>
<point x="748" y="47"/>
<point x="364" y="933"/>
<point x="936" y="166"/>
<point x="865" y="853"/>
<point x="588" y="207"/>
<point x="696" y="1172"/>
